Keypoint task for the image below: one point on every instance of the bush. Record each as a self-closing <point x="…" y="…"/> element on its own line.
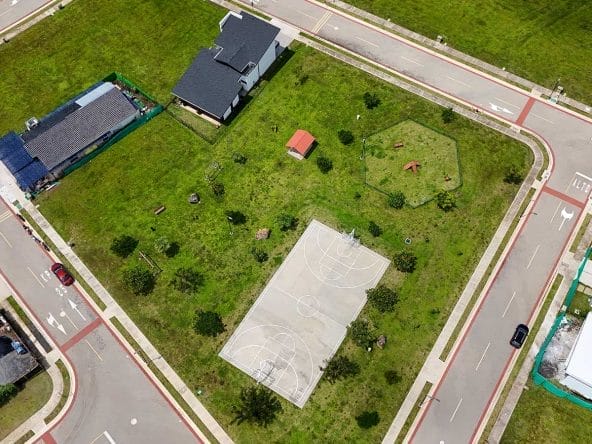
<point x="371" y="100"/>
<point x="325" y="164"/>
<point x="235" y="217"/>
<point x="397" y="200"/>
<point x="286" y="222"/>
<point x="346" y="137"/>
<point x="257" y="405"/>
<point x="218" y="189"/>
<point x="448" y="115"/>
<point x="513" y="176"/>
<point x="368" y="419"/>
<point x="445" y="200"/>
<point x="259" y="255"/>
<point x="374" y="229"/>
<point x="405" y="261"/>
<point x="7" y="392"/>
<point x="239" y="158"/>
<point x="187" y="280"/>
<point x="208" y="323"/>
<point x="383" y="298"/>
<point x="340" y="367"/>
<point x="139" y="280"/>
<point x="124" y="245"/>
<point x="392" y="377"/>
<point x="360" y="333"/>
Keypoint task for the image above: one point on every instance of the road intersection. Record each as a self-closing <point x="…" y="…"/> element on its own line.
<point x="459" y="403"/>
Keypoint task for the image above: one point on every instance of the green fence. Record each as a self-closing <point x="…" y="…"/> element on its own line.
<point x="157" y="109"/>
<point x="536" y="376"/>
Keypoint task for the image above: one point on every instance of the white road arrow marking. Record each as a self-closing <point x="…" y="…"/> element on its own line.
<point x="500" y="108"/>
<point x="52" y="321"/>
<point x="13" y="2"/>
<point x="75" y="308"/>
<point x="566" y="216"/>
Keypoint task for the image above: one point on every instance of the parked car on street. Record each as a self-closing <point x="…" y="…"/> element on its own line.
<point x="519" y="336"/>
<point x="62" y="274"/>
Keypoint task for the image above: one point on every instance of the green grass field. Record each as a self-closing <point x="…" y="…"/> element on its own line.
<point x="540" y="40"/>
<point x="163" y="162"/>
<point x="33" y="395"/>
<point x="435" y="152"/>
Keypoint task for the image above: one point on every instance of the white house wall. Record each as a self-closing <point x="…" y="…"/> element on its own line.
<point x="267" y="59"/>
<point x="578" y="386"/>
<point x="235" y="101"/>
<point x="250" y="79"/>
<point x="227" y="113"/>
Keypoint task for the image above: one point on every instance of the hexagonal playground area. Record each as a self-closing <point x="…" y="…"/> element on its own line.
<point x="431" y="159"/>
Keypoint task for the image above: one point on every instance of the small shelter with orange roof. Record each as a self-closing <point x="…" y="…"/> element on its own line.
<point x="300" y="144"/>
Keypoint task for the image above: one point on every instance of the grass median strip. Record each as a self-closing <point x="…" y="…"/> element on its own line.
<point x="581" y="232"/>
<point x="65" y="393"/>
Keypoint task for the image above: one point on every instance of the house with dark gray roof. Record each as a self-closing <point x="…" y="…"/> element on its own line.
<point x="16" y="361"/>
<point x="66" y="135"/>
<point x="245" y="48"/>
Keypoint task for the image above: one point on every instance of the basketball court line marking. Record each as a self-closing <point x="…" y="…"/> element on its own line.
<point x="323" y="315"/>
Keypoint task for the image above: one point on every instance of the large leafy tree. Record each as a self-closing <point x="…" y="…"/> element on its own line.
<point x="187" y="280"/>
<point x="257" y="405"/>
<point x="139" y="280"/>
<point x="383" y="298"/>
<point x="340" y="367"/>
<point x="208" y="323"/>
<point x="124" y="245"/>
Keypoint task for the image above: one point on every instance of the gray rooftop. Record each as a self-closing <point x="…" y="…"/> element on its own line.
<point x="244" y="40"/>
<point x="81" y="128"/>
<point x="13" y="367"/>
<point x="208" y="84"/>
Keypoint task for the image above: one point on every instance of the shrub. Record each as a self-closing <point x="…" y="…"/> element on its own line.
<point x="445" y="200"/>
<point x="7" y="392"/>
<point x="448" y="115"/>
<point x="208" y="323"/>
<point x="139" y="280"/>
<point x="235" y="217"/>
<point x="383" y="298"/>
<point x="360" y="333"/>
<point x="513" y="176"/>
<point x="257" y="405"/>
<point x="239" y="158"/>
<point x="340" y="367"/>
<point x="218" y="189"/>
<point x="124" y="245"/>
<point x="346" y="137"/>
<point x="259" y="255"/>
<point x="397" y="200"/>
<point x="374" y="229"/>
<point x="368" y="419"/>
<point x="371" y="100"/>
<point x="405" y="261"/>
<point x="187" y="280"/>
<point x="286" y="221"/>
<point x="392" y="377"/>
<point x="325" y="164"/>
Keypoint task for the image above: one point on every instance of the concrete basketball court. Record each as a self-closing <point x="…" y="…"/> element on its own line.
<point x="301" y="317"/>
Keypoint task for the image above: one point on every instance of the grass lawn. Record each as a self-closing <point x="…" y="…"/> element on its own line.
<point x="542" y="417"/>
<point x="580" y="304"/>
<point x="434" y="151"/>
<point x="32" y="395"/>
<point x="540" y="40"/>
<point x="163" y="162"/>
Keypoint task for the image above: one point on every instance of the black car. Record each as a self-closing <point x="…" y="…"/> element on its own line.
<point x="519" y="336"/>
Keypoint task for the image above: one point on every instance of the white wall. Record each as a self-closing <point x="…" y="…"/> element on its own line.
<point x="250" y="79"/>
<point x="267" y="59"/>
<point x="227" y="113"/>
<point x="577" y="386"/>
<point x="235" y="101"/>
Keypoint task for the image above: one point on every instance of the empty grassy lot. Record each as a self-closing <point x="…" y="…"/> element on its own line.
<point x="163" y="162"/>
<point x="540" y="40"/>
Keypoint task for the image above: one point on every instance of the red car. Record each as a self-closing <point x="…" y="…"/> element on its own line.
<point x="62" y="274"/>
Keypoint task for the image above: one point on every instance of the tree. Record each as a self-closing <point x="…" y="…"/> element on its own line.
<point x="360" y="333"/>
<point x="259" y="255"/>
<point x="392" y="377"/>
<point x="368" y="419"/>
<point x="405" y="261"/>
<point x="513" y="176"/>
<point x="239" y="158"/>
<point x="139" y="280"/>
<point x="187" y="280"/>
<point x="397" y="200"/>
<point x="383" y="298"/>
<point x="208" y="323"/>
<point x="235" y="217"/>
<point x="257" y="405"/>
<point x="448" y="115"/>
<point x="346" y="137"/>
<point x="371" y="100"/>
<point x="374" y="229"/>
<point x="445" y="200"/>
<point x="218" y="189"/>
<point x="164" y="246"/>
<point x="325" y="164"/>
<point x="123" y="245"/>
<point x="286" y="221"/>
<point x="340" y="367"/>
<point x="7" y="392"/>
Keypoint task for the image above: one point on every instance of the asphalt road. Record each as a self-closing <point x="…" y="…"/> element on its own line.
<point x="12" y="11"/>
<point x="474" y="373"/>
<point x="115" y="401"/>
